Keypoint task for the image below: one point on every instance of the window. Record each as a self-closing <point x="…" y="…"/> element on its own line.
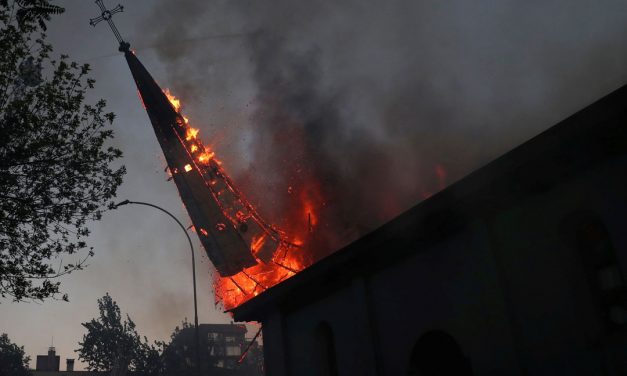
<point x="230" y="339"/>
<point x="585" y="232"/>
<point x="233" y="351"/>
<point x="437" y="353"/>
<point x="325" y="349"/>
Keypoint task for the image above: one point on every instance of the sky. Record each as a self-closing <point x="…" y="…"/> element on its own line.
<point x="384" y="103"/>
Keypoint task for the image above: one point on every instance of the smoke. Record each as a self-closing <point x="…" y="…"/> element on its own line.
<point x="365" y="108"/>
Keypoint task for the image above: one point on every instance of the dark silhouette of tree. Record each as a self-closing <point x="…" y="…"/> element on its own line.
<point x="176" y="356"/>
<point x="149" y="361"/>
<point x="113" y="344"/>
<point x="13" y="362"/>
<point x="35" y="10"/>
<point x="56" y="170"/>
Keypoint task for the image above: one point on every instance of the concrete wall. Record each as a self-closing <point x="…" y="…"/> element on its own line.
<point x="506" y="286"/>
<point x="453" y="287"/>
<point x="552" y="307"/>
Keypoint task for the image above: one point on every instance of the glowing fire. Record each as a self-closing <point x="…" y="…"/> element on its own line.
<point x="191" y="133"/>
<point x="173" y="100"/>
<point x="288" y="259"/>
<point x="205" y="157"/>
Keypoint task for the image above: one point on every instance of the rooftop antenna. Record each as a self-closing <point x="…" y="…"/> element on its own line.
<point x="106" y="16"/>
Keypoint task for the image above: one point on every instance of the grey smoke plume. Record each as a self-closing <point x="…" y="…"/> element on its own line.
<point x="380" y="103"/>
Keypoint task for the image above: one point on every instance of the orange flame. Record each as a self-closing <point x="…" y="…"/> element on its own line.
<point x="258" y="243"/>
<point x="205" y="157"/>
<point x="174" y="101"/>
<point x="288" y="259"/>
<point x="191" y="134"/>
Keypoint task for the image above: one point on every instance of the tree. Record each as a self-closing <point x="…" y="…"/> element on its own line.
<point x="57" y="171"/>
<point x="114" y="345"/>
<point x="176" y="354"/>
<point x="13" y="362"/>
<point x="149" y="360"/>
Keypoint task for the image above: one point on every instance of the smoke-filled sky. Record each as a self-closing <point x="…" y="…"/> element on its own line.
<point x="373" y="106"/>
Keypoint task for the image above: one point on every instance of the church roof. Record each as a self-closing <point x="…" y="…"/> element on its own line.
<point x="578" y="143"/>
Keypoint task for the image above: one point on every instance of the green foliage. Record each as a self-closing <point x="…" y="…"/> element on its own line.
<point x="56" y="171"/>
<point x="149" y="361"/>
<point x="13" y="362"/>
<point x="175" y="353"/>
<point x="35" y="10"/>
<point x="114" y="344"/>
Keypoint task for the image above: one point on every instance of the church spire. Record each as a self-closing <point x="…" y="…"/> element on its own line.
<point x="202" y="186"/>
<point x="231" y="231"/>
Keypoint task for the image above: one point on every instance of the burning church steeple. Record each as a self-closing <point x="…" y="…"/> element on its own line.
<point x="222" y="225"/>
<point x="232" y="233"/>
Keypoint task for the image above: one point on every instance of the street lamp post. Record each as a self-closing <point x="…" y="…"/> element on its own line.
<point x="191" y="246"/>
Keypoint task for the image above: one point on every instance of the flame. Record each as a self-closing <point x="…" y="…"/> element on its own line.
<point x="191" y="134"/>
<point x="188" y="168"/>
<point x="174" y="101"/>
<point x="288" y="259"/>
<point x="205" y="157"/>
<point x="258" y="243"/>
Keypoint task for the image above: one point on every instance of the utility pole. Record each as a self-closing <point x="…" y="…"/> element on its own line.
<point x="191" y="246"/>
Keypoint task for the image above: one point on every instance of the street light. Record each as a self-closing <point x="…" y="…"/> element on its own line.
<point x="191" y="246"/>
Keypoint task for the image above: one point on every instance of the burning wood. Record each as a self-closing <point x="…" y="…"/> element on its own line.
<point x="250" y="254"/>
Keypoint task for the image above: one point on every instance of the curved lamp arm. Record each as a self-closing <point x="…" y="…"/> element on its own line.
<point x="191" y="246"/>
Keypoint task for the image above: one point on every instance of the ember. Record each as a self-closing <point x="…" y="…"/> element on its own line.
<point x="279" y="254"/>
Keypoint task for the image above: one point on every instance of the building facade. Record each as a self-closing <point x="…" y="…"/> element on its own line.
<point x="49" y="365"/>
<point x="222" y="351"/>
<point x="517" y="269"/>
<point x="49" y="362"/>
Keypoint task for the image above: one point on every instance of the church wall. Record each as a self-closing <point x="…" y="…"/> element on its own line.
<point x="609" y="199"/>
<point x="453" y="286"/>
<point x="507" y="286"/>
<point x="554" y="310"/>
<point x="344" y="312"/>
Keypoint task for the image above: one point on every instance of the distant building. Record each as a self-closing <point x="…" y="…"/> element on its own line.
<point x="48" y="362"/>
<point x="221" y="352"/>
<point x="73" y="373"/>
<point x="48" y="365"/>
<point x="517" y="269"/>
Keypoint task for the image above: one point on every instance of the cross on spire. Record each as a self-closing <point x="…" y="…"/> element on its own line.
<point x="106" y="16"/>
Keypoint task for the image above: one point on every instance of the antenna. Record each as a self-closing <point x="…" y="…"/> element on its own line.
<point x="51" y="349"/>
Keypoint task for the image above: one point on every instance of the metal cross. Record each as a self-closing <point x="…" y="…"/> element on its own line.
<point x="106" y="16"/>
